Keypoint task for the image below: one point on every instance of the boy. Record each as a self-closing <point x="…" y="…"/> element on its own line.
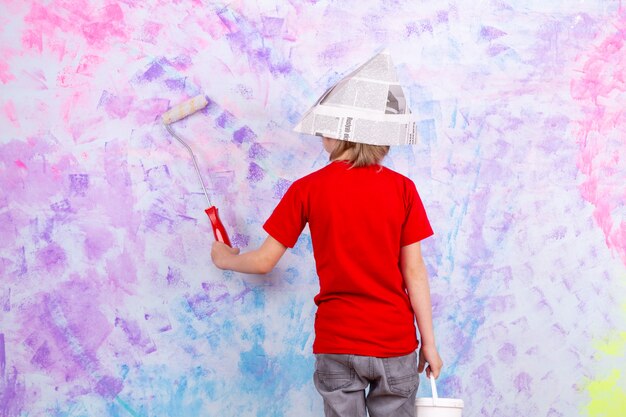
<point x="366" y="224"/>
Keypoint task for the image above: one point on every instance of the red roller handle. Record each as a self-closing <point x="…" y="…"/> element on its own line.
<point x="218" y="228"/>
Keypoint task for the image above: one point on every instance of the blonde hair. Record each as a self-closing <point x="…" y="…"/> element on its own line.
<point x="361" y="154"/>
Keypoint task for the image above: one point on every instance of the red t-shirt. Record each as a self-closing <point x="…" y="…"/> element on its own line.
<point x="359" y="219"/>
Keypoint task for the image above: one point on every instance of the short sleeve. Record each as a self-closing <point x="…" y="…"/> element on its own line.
<point x="416" y="225"/>
<point x="289" y="217"/>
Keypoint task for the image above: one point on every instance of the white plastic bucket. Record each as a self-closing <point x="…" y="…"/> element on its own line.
<point x="438" y="407"/>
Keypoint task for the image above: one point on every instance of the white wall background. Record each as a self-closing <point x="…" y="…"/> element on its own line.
<point x="109" y="303"/>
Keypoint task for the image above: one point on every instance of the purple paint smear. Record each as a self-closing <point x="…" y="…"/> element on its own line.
<point x="280" y="188"/>
<point x="176" y="84"/>
<point x="2" y="356"/>
<point x="164" y="67"/>
<point x="257" y="151"/>
<point x="135" y="335"/>
<point x="116" y="106"/>
<point x="52" y="257"/>
<point x="173" y="276"/>
<point x="272" y="26"/>
<point x="245" y="38"/>
<point x="42" y="357"/>
<point x="489" y="33"/>
<point x="108" y="387"/>
<point x="523" y="383"/>
<point x="225" y="120"/>
<point x="122" y="271"/>
<point x="245" y="91"/>
<point x="62" y="206"/>
<point x="156" y="220"/>
<point x="158" y="177"/>
<point x="147" y="111"/>
<point x="8" y="230"/>
<point x="5" y="300"/>
<point x="64" y="343"/>
<point x="507" y="353"/>
<point x="46" y="231"/>
<point x="120" y="198"/>
<point x="79" y="183"/>
<point x="210" y="288"/>
<point x="201" y="306"/>
<point x="240" y="241"/>
<point x="97" y="243"/>
<point x="263" y="56"/>
<point x="494" y="50"/>
<point x="154" y="72"/>
<point x="23" y="268"/>
<point x="206" y="304"/>
<point x="181" y="62"/>
<point x="245" y="134"/>
<point x="228" y="19"/>
<point x="419" y="28"/>
<point x="12" y="392"/>
<point x="484" y="375"/>
<point x="158" y="322"/>
<point x="255" y="172"/>
<point x="442" y="17"/>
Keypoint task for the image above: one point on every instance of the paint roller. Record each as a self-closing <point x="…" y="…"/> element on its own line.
<point x="175" y="114"/>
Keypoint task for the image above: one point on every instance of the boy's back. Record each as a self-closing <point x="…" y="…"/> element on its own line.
<point x="359" y="219"/>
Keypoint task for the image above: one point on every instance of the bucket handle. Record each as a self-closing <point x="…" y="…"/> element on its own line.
<point x="433" y="388"/>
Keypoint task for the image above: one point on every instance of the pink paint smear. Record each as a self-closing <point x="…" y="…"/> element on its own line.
<point x="98" y="26"/>
<point x="9" y="112"/>
<point x="601" y="91"/>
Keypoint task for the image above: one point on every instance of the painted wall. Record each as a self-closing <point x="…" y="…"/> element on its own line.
<point x="109" y="303"/>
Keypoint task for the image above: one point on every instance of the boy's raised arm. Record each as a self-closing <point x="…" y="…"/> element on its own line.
<point x="258" y="261"/>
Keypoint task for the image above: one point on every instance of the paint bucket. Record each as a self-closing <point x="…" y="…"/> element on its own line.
<point x="438" y="407"/>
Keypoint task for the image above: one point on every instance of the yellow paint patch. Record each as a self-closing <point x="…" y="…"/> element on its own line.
<point x="608" y="398"/>
<point x="614" y="347"/>
<point x="608" y="395"/>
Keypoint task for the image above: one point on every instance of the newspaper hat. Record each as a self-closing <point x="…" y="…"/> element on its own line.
<point x="366" y="106"/>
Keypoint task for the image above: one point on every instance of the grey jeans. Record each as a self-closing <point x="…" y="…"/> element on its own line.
<point x="342" y="380"/>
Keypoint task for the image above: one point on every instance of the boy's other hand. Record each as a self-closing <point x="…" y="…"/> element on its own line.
<point x="428" y="354"/>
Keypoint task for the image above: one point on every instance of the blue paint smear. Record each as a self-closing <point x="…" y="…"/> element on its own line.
<point x="254" y="368"/>
<point x="214" y="340"/>
<point x="296" y="368"/>
<point x="300" y="325"/>
<point x="427" y="108"/>
<point x="256" y="334"/>
<point x="227" y="329"/>
<point x="124" y="372"/>
<point x="291" y="275"/>
<point x="190" y="394"/>
<point x="428" y="131"/>
<point x="303" y="246"/>
<point x="191" y="332"/>
<point x="258" y="298"/>
<point x="453" y="117"/>
<point x="268" y="378"/>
